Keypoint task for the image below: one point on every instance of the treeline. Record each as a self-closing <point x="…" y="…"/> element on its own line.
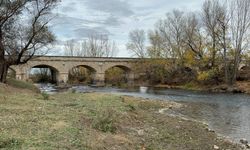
<point x="206" y="46"/>
<point x="96" y="45"/>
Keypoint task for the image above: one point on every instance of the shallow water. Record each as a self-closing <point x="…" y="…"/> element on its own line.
<point x="227" y="114"/>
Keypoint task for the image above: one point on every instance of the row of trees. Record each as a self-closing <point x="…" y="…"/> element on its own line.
<point x="216" y="38"/>
<point x="96" y="45"/>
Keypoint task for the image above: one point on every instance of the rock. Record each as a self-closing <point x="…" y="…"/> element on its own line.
<point x="216" y="147"/>
<point x="244" y="141"/>
<point x="243" y="147"/>
<point x="210" y="130"/>
<point x="140" y="132"/>
<point x="248" y="146"/>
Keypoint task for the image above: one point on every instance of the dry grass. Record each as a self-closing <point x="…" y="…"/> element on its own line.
<point x="96" y="121"/>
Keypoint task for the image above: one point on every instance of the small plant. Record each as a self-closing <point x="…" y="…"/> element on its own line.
<point x="105" y="121"/>
<point x="45" y="96"/>
<point x="131" y="107"/>
<point x="73" y="91"/>
<point x="10" y="143"/>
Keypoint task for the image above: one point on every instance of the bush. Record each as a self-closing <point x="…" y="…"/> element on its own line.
<point x="116" y="77"/>
<point x="209" y="76"/>
<point x="45" y="96"/>
<point x="105" y="121"/>
<point x="181" y="75"/>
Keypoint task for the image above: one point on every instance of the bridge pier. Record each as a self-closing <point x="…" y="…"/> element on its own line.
<point x="131" y="79"/>
<point x="100" y="79"/>
<point x="63" y="77"/>
<point x="22" y="76"/>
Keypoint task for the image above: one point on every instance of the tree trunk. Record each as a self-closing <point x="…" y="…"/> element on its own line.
<point x="213" y="51"/>
<point x="3" y="72"/>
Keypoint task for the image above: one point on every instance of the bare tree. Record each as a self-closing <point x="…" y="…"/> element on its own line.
<point x="210" y="13"/>
<point x="136" y="44"/>
<point x="72" y="48"/>
<point x="240" y="28"/>
<point x="95" y="46"/>
<point x="156" y="48"/>
<point x="224" y="40"/>
<point x="193" y="36"/>
<point x="98" y="45"/>
<point x="23" y="31"/>
<point x="172" y="32"/>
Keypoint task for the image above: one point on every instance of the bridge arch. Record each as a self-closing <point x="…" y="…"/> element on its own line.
<point x="118" y="74"/>
<point x="44" y="70"/>
<point x="82" y="74"/>
<point x="243" y="74"/>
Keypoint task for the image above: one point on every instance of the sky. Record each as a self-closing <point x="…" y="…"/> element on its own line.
<point x="77" y="19"/>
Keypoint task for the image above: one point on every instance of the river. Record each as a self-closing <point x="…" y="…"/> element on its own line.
<point x="227" y="114"/>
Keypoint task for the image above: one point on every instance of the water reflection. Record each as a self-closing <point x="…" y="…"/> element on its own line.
<point x="227" y="114"/>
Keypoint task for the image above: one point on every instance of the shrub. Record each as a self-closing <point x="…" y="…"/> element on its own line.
<point x="209" y="76"/>
<point x="45" y="96"/>
<point x="10" y="143"/>
<point x="105" y="121"/>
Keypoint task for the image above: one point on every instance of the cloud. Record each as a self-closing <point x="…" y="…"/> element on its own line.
<point x="114" y="7"/>
<point x="84" y="32"/>
<point x="112" y="21"/>
<point x="69" y="7"/>
<point x="77" y="19"/>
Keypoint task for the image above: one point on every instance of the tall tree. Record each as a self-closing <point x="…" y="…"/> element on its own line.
<point x="156" y="48"/>
<point x="224" y="40"/>
<point x="136" y="44"/>
<point x="23" y="31"/>
<point x="210" y="13"/>
<point x="240" y="29"/>
<point x="172" y="32"/>
<point x="193" y="35"/>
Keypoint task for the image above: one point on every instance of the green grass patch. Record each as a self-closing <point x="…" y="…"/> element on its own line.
<point x="10" y="143"/>
<point x="21" y="84"/>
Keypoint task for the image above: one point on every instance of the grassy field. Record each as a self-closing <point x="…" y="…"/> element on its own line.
<point x="95" y="121"/>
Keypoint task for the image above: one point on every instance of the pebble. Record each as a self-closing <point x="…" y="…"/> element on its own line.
<point x="243" y="141"/>
<point x="216" y="147"/>
<point x="140" y="132"/>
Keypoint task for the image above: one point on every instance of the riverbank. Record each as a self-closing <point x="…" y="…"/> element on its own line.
<point x="239" y="87"/>
<point x="29" y="120"/>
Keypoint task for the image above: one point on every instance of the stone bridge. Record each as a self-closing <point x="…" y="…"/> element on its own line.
<point x="61" y="65"/>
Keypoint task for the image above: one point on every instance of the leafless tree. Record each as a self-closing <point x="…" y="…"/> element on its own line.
<point x="24" y="31"/>
<point x="96" y="45"/>
<point x="210" y="13"/>
<point x="240" y="28"/>
<point x="193" y="35"/>
<point x="136" y="44"/>
<point x="172" y="32"/>
<point x="224" y="40"/>
<point x="156" y="48"/>
<point x="72" y="48"/>
<point x="232" y="33"/>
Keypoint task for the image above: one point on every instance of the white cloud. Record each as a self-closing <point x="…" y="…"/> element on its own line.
<point x="79" y="18"/>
